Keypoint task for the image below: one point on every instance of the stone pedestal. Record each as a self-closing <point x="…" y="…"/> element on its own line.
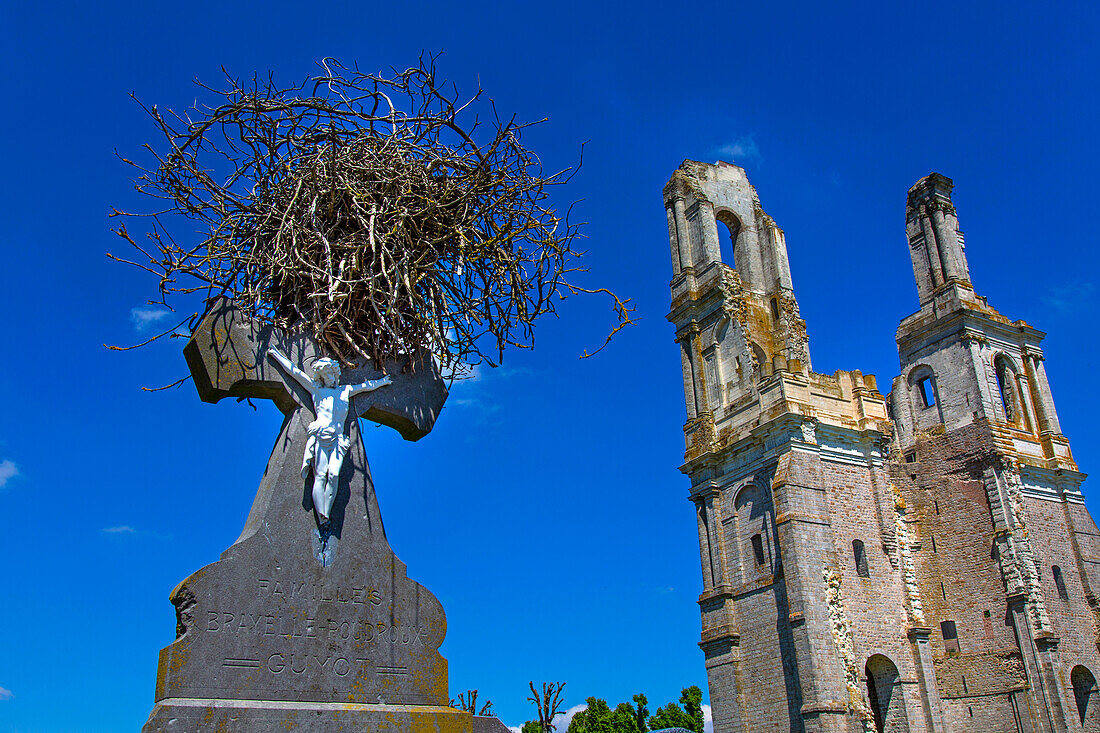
<point x="311" y="632"/>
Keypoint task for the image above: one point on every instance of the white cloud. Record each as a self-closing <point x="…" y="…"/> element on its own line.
<point x="708" y="719"/>
<point x="1069" y="299"/>
<point x="6" y="694"/>
<point x="122" y="529"/>
<point x="7" y="470"/>
<point x="562" y="721"/>
<point x="743" y="148"/>
<point x="147" y="316"/>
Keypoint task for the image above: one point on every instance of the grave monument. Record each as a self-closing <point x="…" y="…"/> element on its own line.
<point x="304" y="624"/>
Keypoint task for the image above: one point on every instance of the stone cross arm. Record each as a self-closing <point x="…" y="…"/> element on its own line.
<point x="227" y="356"/>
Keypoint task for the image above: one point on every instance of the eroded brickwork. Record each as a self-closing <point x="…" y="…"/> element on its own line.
<point x="916" y="562"/>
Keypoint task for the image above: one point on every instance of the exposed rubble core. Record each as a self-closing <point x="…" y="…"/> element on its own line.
<point x="960" y="564"/>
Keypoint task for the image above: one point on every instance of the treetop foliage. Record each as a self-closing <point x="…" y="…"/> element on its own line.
<point x="634" y="717"/>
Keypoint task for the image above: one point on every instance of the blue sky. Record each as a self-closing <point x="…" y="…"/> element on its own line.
<point x="545" y="510"/>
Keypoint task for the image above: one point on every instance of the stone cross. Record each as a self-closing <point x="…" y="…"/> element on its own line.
<point x="294" y="626"/>
<point x="227" y="358"/>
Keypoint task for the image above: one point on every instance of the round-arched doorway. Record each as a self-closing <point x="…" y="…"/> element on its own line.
<point x="1085" y="693"/>
<point x="885" y="695"/>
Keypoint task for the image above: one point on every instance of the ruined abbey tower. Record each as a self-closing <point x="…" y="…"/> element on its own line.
<point x="917" y="562"/>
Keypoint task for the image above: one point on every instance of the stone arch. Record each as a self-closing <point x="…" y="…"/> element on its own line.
<point x="1085" y="694"/>
<point x="763" y="364"/>
<point x="1008" y="387"/>
<point x="730" y="226"/>
<point x="885" y="695"/>
<point x="718" y="332"/>
<point x="754" y="530"/>
<point x="924" y="396"/>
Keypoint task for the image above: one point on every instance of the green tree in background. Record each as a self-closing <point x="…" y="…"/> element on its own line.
<point x="531" y="726"/>
<point x="598" y="717"/>
<point x="640" y="712"/>
<point x="689" y="716"/>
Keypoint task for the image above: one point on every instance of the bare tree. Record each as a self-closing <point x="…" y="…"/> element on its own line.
<point x="468" y="701"/>
<point x="382" y="213"/>
<point x="548" y="703"/>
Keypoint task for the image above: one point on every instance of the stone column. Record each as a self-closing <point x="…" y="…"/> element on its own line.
<point x="706" y="552"/>
<point x="1048" y="398"/>
<point x="981" y="373"/>
<point x="1050" y="663"/>
<point x="926" y="676"/>
<point x="1040" y="394"/>
<point x="932" y="249"/>
<point x="695" y="344"/>
<point x="750" y="263"/>
<point x="689" y="376"/>
<point x="674" y="241"/>
<point x="802" y="524"/>
<point x="948" y="243"/>
<point x="1038" y="707"/>
<point x="1028" y="405"/>
<point x="712" y="251"/>
<point x="778" y="243"/>
<point x="684" y="243"/>
<point x="718" y="537"/>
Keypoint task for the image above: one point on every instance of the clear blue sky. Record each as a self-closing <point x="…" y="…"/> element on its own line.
<point x="546" y="510"/>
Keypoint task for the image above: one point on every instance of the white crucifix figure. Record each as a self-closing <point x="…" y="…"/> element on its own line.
<point x="328" y="441"/>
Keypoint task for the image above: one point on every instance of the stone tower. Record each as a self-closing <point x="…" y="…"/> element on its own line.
<point x="922" y="562"/>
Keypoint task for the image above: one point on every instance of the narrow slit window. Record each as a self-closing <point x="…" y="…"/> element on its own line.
<point x="927" y="392"/>
<point x="775" y="308"/>
<point x="950" y="636"/>
<point x="860" y="554"/>
<point x="758" y="548"/>
<point x="1060" y="582"/>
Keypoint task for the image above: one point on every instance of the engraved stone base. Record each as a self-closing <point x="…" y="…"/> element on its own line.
<point x="248" y="716"/>
<point x="318" y="631"/>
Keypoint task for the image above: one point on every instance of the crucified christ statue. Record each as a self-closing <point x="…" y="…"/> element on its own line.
<point x="328" y="441"/>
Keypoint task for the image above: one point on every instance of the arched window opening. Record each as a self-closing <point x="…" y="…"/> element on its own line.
<point x="1060" y="583"/>
<point x="1006" y="386"/>
<point x="860" y="555"/>
<point x="884" y="695"/>
<point x="927" y="391"/>
<point x="1085" y="693"/>
<point x="755" y="532"/>
<point x="728" y="230"/>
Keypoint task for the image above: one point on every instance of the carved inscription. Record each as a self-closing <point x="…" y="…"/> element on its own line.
<point x="292" y="590"/>
<point x="298" y="627"/>
<point x="351" y="619"/>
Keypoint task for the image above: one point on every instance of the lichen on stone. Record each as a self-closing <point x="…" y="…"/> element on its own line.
<point x="842" y="638"/>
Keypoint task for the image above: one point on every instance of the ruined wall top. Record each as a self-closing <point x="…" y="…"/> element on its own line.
<point x="935" y="241"/>
<point x="714" y="216"/>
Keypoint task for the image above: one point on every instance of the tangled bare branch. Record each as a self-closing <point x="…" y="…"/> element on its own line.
<point x="379" y="212"/>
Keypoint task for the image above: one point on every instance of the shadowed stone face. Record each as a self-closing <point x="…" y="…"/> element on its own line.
<point x="226" y="355"/>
